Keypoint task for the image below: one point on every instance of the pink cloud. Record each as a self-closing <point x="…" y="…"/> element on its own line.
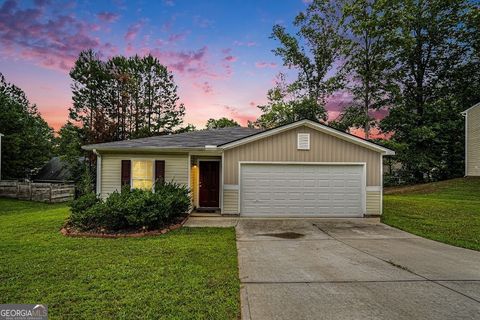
<point x="53" y="43"/>
<point x="108" y="16"/>
<point x="176" y="37"/>
<point x="241" y="117"/>
<point x="133" y="30"/>
<point x="263" y="64"/>
<point x="205" y="86"/>
<point x="230" y="58"/>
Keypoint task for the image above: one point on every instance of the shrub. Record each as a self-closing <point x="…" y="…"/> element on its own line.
<point x="132" y="209"/>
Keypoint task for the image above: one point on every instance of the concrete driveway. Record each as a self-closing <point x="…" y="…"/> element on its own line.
<point x="351" y="269"/>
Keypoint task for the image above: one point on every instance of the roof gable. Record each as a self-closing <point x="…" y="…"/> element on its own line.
<point x="472" y="107"/>
<point x="313" y="125"/>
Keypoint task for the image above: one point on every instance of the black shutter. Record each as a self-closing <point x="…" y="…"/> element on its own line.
<point x="159" y="171"/>
<point x="126" y="172"/>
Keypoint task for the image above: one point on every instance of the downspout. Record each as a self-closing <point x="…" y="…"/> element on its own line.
<point x="99" y="173"/>
<point x="1" y="135"/>
<point x="465" y="114"/>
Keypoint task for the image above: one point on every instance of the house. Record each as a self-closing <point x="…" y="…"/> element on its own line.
<point x="472" y="140"/>
<point x="1" y="135"/>
<point x="55" y="170"/>
<point x="300" y="169"/>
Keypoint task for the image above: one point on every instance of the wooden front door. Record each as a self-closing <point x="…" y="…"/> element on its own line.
<point x="209" y="187"/>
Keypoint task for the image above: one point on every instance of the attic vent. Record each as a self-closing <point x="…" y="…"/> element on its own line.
<point x="303" y="141"/>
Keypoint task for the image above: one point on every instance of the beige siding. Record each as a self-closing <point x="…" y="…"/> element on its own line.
<point x="176" y="169"/>
<point x="283" y="147"/>
<point x="230" y="201"/>
<point x="473" y="142"/>
<point x="374" y="202"/>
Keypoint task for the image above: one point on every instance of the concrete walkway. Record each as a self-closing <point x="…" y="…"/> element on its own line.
<point x="350" y="269"/>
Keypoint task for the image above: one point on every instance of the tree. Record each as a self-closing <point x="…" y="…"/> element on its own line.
<point x="367" y="63"/>
<point x="188" y="128"/>
<point x="28" y="141"/>
<point x="317" y="45"/>
<point x="221" y="123"/>
<point x="428" y="47"/>
<point x="124" y="98"/>
<point x="285" y="106"/>
<point x="89" y="88"/>
<point x="353" y="116"/>
<point x="69" y="148"/>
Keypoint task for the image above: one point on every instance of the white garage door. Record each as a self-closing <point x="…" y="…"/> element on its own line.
<point x="301" y="190"/>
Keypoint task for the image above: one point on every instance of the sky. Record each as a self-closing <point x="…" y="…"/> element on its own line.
<point x="220" y="52"/>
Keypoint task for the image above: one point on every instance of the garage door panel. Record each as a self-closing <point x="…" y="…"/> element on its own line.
<point x="301" y="190"/>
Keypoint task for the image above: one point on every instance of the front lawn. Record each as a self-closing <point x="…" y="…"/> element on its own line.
<point x="446" y="211"/>
<point x="190" y="273"/>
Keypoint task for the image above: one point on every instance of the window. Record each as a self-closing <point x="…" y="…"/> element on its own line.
<point x="142" y="174"/>
<point x="303" y="141"/>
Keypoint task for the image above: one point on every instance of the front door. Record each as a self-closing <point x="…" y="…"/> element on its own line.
<point x="209" y="184"/>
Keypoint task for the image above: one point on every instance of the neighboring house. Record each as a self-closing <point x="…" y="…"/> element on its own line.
<point x="300" y="169"/>
<point x="1" y="135"/>
<point x="55" y="170"/>
<point x="472" y="140"/>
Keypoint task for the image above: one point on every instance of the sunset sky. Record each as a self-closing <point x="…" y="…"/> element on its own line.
<point x="219" y="51"/>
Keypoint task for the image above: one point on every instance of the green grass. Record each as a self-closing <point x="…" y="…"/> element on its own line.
<point x="190" y="273"/>
<point x="446" y="211"/>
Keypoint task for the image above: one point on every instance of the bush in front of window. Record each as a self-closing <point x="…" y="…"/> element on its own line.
<point x="131" y="209"/>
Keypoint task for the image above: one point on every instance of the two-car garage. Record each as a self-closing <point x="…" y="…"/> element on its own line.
<point x="302" y="189"/>
<point x="303" y="169"/>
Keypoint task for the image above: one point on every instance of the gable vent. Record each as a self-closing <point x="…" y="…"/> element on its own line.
<point x="303" y="141"/>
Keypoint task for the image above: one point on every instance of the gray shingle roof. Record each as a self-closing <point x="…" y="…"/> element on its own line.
<point x="194" y="139"/>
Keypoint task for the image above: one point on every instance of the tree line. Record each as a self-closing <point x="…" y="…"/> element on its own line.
<point x="123" y="98"/>
<point x="417" y="59"/>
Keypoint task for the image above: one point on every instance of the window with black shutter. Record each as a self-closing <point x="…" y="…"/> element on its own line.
<point x="126" y="172"/>
<point x="159" y="171"/>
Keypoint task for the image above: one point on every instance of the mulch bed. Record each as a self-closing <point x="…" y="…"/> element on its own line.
<point x="69" y="231"/>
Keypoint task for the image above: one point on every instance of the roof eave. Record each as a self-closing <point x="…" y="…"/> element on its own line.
<point x="474" y="106"/>
<point x="148" y="149"/>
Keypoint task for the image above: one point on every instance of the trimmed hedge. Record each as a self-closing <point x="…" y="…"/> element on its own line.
<point x="131" y="209"/>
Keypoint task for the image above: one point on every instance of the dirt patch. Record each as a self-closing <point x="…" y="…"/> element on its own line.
<point x="68" y="231"/>
<point x="284" y="235"/>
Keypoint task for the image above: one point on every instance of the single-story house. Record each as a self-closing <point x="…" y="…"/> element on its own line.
<point x="302" y="169"/>
<point x="472" y="140"/>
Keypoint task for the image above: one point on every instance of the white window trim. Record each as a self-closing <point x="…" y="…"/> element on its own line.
<point x="131" y="172"/>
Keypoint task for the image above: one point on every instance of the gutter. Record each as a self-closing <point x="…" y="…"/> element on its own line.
<point x="147" y="149"/>
<point x="465" y="115"/>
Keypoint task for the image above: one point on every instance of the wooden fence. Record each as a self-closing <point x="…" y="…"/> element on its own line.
<point x="37" y="191"/>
